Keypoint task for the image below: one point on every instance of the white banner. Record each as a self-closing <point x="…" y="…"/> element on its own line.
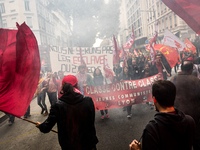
<point x="67" y="59"/>
<point x="171" y="40"/>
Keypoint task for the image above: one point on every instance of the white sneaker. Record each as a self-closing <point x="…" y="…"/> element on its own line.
<point x="129" y="116"/>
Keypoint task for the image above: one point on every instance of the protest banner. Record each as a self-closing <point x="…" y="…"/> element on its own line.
<point x="68" y="59"/>
<point x="121" y="93"/>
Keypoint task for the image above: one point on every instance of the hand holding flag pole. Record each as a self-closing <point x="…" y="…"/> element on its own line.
<point x="36" y="123"/>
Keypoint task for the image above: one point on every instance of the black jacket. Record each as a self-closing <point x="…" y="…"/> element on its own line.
<point x="75" y="118"/>
<point x="169" y="131"/>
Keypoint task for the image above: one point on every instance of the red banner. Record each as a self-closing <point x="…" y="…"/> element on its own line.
<point x="121" y="93"/>
<point x="19" y="69"/>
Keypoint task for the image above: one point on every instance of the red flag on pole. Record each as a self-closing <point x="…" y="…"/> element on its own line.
<point x="115" y="52"/>
<point x="189" y="46"/>
<point x="151" y="44"/>
<point x="19" y="69"/>
<point x="130" y="41"/>
<point x="188" y="10"/>
<point x="170" y="53"/>
<point x="107" y="70"/>
<point x="124" y="57"/>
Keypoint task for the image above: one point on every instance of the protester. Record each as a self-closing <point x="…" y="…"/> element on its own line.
<point x="98" y="80"/>
<point x="117" y="70"/>
<point x="52" y="88"/>
<point x="41" y="94"/>
<point x="188" y="95"/>
<point x="126" y="76"/>
<point x="134" y="70"/>
<point x="75" y="116"/>
<point x="171" y="129"/>
<point x="84" y="79"/>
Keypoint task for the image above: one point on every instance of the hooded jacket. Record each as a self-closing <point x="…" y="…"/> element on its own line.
<point x="75" y="116"/>
<point x="169" y="131"/>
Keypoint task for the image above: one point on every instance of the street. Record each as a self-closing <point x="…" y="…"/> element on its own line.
<point x="114" y="133"/>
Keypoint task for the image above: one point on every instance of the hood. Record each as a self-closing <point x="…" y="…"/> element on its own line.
<point x="175" y="121"/>
<point x="72" y="99"/>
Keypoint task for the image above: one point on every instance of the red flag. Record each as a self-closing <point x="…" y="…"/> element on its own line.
<point x="108" y="71"/>
<point x="189" y="46"/>
<point x="124" y="57"/>
<point x="170" y="53"/>
<point x="151" y="44"/>
<point x="20" y="69"/>
<point x="115" y="52"/>
<point x="130" y="41"/>
<point x="188" y="10"/>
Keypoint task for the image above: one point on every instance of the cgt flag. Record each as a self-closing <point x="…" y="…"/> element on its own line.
<point x="19" y="69"/>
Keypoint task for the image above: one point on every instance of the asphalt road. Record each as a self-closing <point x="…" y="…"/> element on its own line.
<point x="114" y="133"/>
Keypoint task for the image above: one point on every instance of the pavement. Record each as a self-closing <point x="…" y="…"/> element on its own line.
<point x="3" y="117"/>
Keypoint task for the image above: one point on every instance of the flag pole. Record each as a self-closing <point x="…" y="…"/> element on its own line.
<point x="36" y="123"/>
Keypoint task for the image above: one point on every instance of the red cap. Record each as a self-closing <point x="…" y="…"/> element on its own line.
<point x="71" y="79"/>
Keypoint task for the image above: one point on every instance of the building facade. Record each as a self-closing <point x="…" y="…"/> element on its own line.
<point x="145" y="14"/>
<point x="49" y="26"/>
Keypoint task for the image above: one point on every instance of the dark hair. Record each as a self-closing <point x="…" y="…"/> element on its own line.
<point x="165" y="92"/>
<point x="187" y="66"/>
<point x="67" y="89"/>
<point x="94" y="73"/>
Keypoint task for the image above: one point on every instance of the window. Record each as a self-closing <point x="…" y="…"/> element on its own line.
<point x="27" y="5"/>
<point x="2" y="8"/>
<point x="29" y="22"/>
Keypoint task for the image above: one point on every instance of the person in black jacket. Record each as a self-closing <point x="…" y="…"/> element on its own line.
<point x="75" y="117"/>
<point x="171" y="129"/>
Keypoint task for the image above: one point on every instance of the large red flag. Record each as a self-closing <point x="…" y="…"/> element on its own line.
<point x="188" y="10"/>
<point x="19" y="69"/>
<point x="130" y="41"/>
<point x="170" y="53"/>
<point x="189" y="46"/>
<point x="115" y="52"/>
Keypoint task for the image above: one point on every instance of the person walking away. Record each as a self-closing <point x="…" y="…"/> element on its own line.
<point x="75" y="117"/>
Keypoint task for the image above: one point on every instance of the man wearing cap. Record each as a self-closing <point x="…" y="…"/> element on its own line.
<point x="75" y="116"/>
<point x="188" y="95"/>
